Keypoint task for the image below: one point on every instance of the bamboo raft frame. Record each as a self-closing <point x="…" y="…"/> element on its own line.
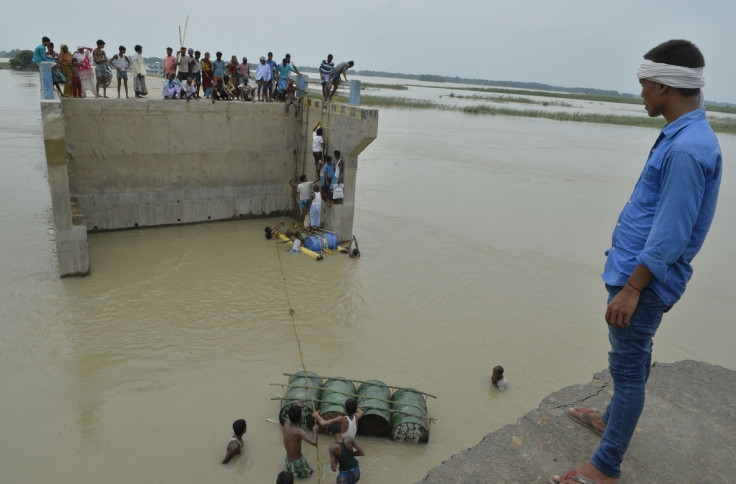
<point x="424" y="410"/>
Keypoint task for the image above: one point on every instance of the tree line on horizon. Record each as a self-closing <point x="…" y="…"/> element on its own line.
<point x="20" y="63"/>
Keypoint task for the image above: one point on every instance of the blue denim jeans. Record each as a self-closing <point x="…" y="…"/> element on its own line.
<point x="629" y="362"/>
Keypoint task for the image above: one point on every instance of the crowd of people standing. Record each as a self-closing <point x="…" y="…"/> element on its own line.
<point x="186" y="75"/>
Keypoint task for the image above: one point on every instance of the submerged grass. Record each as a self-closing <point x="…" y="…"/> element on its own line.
<point x="402" y="102"/>
<point x="510" y="99"/>
<point x="581" y="97"/>
<point x="719" y="125"/>
<point x="397" y="87"/>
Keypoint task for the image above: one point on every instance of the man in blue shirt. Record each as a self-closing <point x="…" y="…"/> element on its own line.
<point x="39" y="53"/>
<point x="272" y="64"/>
<point x="659" y="231"/>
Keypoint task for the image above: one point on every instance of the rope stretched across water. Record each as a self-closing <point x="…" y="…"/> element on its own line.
<point x="301" y="354"/>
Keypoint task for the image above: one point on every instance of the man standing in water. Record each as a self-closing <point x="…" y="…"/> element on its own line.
<point x="659" y="231"/>
<point x="235" y="444"/>
<point x="343" y="452"/>
<point x="293" y="436"/>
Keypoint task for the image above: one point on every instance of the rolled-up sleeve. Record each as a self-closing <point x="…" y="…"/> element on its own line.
<point x="683" y="185"/>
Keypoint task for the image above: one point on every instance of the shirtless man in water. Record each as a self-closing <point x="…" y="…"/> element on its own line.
<point x="235" y="445"/>
<point x="293" y="436"/>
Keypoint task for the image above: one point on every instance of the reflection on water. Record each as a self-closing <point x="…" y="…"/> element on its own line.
<point x="482" y="241"/>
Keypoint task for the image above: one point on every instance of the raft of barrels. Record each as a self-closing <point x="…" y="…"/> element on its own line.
<point x="399" y="413"/>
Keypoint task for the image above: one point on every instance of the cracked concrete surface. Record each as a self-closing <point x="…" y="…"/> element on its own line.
<point x="687" y="433"/>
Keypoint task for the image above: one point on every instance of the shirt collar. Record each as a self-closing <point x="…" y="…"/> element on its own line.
<point x="685" y="120"/>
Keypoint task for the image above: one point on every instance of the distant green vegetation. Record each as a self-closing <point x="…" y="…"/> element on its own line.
<point x="558" y="95"/>
<point x="401" y="102"/>
<point x="22" y="60"/>
<point x="582" y="97"/>
<point x="510" y="99"/>
<point x="719" y="125"/>
<point x="397" y="87"/>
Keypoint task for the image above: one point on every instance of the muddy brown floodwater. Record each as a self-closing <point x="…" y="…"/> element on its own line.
<point x="482" y="241"/>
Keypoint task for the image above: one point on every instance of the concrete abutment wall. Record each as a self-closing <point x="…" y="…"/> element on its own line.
<point x="119" y="164"/>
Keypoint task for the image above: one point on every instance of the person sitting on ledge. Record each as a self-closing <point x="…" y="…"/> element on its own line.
<point x="172" y="87"/>
<point x="219" y="93"/>
<point x="188" y="88"/>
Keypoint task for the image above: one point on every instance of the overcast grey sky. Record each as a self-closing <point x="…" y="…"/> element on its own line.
<point x="585" y="43"/>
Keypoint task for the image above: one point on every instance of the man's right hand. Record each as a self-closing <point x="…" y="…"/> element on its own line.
<point x="621" y="307"/>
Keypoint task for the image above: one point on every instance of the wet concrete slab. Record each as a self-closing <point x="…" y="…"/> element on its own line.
<point x="687" y="433"/>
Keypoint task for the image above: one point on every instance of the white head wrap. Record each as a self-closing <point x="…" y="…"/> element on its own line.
<point x="673" y="76"/>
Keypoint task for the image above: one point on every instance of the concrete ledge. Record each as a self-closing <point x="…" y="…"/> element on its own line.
<point x="687" y="433"/>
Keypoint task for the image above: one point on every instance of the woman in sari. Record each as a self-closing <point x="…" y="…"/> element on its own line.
<point x="232" y="71"/>
<point x="65" y="63"/>
<point x="206" y="74"/>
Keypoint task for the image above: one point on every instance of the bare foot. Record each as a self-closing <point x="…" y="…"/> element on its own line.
<point x="588" y="470"/>
<point x="587" y="417"/>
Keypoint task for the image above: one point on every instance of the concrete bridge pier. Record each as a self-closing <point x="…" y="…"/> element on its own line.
<point x="349" y="129"/>
<point x="124" y="164"/>
<point x="72" y="249"/>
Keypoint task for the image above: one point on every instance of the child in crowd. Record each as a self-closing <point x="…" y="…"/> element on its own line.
<point x="290" y="98"/>
<point x="121" y="62"/>
<point x="58" y="78"/>
<point x="497" y="378"/>
<point x="76" y="80"/>
<point x="235" y="444"/>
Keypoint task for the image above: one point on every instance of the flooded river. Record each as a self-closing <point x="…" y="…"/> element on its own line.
<point x="482" y="241"/>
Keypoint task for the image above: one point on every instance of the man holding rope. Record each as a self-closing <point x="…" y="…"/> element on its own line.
<point x="295" y="462"/>
<point x="659" y="231"/>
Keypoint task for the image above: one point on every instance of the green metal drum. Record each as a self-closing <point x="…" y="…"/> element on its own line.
<point x="334" y="394"/>
<point x="409" y="419"/>
<point x="373" y="399"/>
<point x="298" y="390"/>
